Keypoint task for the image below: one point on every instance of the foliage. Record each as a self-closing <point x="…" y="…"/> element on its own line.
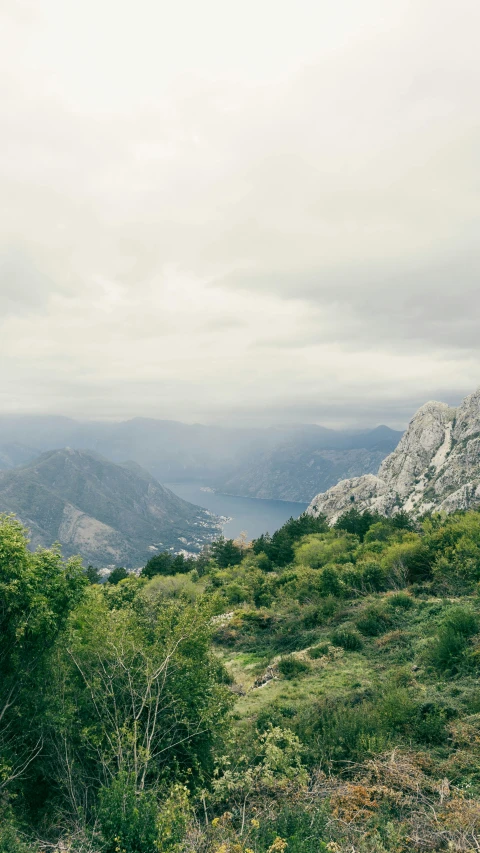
<point x="279" y="548"/>
<point x="448" y="652"/>
<point x="373" y="621"/>
<point x="166" y="563"/>
<point x="128" y="817"/>
<point x="218" y="707"/>
<point x="117" y="575"/>
<point x="226" y="553"/>
<point x="292" y="667"/>
<point x="347" y="639"/>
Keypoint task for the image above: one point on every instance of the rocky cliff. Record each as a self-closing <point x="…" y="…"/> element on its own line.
<point x="436" y="466"/>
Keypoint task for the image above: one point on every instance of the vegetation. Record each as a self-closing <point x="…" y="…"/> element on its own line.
<point x="315" y="690"/>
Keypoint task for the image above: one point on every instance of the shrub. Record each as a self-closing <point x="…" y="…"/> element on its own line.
<point x="302" y="830"/>
<point x="448" y="651"/>
<point x="347" y="639"/>
<point x="373" y="575"/>
<point x="342" y="730"/>
<point x="462" y="621"/>
<point x="401" y="600"/>
<point x="330" y="606"/>
<point x="128" y="819"/>
<point x="374" y="621"/>
<point x="291" y="667"/>
<point x="430" y="725"/>
<point x="313" y="617"/>
<point x="9" y="840"/>
<point x="117" y="575"/>
<point x="173" y="819"/>
<point x="318" y="651"/>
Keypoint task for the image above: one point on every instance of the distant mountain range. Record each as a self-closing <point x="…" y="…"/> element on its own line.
<point x="311" y="461"/>
<point x="287" y="463"/>
<point x="436" y="467"/>
<point x="109" y="514"/>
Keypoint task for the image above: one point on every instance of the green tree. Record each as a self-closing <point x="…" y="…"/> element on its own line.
<point x="226" y="553"/>
<point x="137" y="692"/>
<point x="118" y="574"/>
<point x="37" y="593"/>
<point x="279" y="548"/>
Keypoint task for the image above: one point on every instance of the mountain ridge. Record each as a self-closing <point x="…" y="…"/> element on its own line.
<point x="267" y="462"/>
<point x="435" y="467"/>
<point x="107" y="513"/>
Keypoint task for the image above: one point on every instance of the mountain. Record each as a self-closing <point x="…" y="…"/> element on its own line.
<point x="311" y="461"/>
<point x="170" y="450"/>
<point x="107" y="513"/>
<point x="436" y="466"/>
<point x="291" y="462"/>
<point x="15" y="454"/>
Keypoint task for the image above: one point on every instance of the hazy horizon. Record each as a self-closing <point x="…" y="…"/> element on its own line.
<point x="245" y="213"/>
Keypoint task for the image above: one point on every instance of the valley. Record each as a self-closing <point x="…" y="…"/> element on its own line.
<point x="253" y="516"/>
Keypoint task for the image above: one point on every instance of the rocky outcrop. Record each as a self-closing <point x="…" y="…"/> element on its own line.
<point x="436" y="466"/>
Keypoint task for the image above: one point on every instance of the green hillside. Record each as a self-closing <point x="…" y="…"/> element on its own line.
<point x="317" y="690"/>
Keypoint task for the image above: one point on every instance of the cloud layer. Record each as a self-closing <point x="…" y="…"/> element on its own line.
<point x="254" y="212"/>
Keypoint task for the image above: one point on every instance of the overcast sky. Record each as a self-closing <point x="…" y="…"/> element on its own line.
<point x="244" y="210"/>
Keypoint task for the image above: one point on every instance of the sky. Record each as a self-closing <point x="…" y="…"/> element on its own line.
<point x="245" y="212"/>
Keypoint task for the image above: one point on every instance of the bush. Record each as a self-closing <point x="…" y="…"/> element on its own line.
<point x="303" y="831"/>
<point x="318" y="651"/>
<point x="313" y="617"/>
<point x="373" y="575"/>
<point x="401" y="600"/>
<point x="462" y="621"/>
<point x="9" y="840"/>
<point x="347" y="639"/>
<point x="374" y="621"/>
<point x="448" y="651"/>
<point x="291" y="667"/>
<point x="342" y="730"/>
<point x="128" y="819"/>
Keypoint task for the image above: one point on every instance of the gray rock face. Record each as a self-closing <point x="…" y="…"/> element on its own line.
<point x="436" y="466"/>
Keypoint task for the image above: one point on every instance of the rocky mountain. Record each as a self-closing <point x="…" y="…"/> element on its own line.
<point x="311" y="460"/>
<point x="109" y="514"/>
<point x="289" y="462"/>
<point x="436" y="466"/>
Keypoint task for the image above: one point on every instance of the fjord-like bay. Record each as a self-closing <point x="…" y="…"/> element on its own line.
<point x="252" y="515"/>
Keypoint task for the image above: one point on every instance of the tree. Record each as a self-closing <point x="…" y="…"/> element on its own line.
<point x="279" y="547"/>
<point x="160" y="564"/>
<point x="37" y="593"/>
<point x="118" y="574"/>
<point x="92" y="574"/>
<point x="138" y="696"/>
<point x="226" y="553"/>
<point x="359" y="523"/>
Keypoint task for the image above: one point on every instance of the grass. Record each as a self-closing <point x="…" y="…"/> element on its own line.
<point x="383" y="661"/>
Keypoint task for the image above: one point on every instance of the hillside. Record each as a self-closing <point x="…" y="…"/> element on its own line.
<point x="14" y="454"/>
<point x="314" y="692"/>
<point x="107" y="513"/>
<point x="436" y="467"/>
<point x="311" y="460"/>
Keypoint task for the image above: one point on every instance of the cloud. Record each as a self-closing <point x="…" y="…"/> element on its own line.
<point x="212" y="214"/>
